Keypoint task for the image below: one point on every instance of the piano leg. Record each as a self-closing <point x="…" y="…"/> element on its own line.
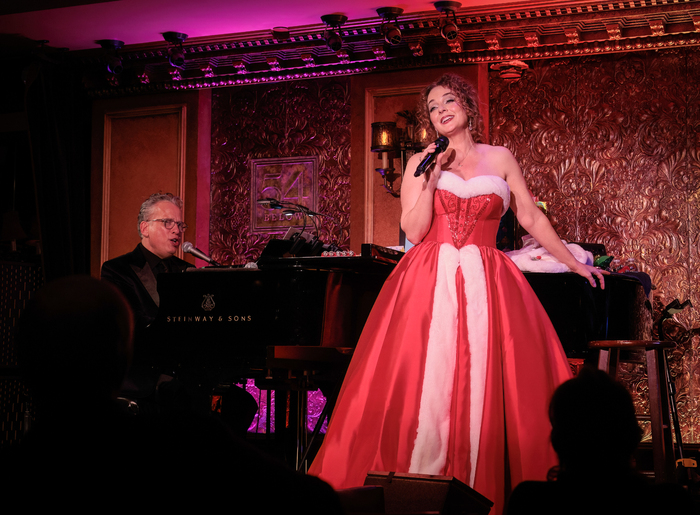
<point x="302" y="440"/>
<point x="291" y="410"/>
<point x="325" y="413"/>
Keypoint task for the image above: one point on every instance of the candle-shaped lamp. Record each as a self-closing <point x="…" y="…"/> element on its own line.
<point x="384" y="141"/>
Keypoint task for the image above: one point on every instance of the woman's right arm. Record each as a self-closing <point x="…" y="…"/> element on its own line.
<point x="417" y="196"/>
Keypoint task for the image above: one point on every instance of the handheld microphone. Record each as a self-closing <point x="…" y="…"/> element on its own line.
<point x="442" y="142"/>
<point x="191" y="249"/>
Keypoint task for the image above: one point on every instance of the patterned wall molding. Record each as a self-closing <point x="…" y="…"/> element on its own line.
<point x="491" y="34"/>
<point x="612" y="144"/>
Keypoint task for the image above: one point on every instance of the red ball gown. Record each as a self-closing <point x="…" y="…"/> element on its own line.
<point x="456" y="364"/>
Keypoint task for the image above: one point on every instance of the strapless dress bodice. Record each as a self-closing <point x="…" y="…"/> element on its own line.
<point x="468" y="212"/>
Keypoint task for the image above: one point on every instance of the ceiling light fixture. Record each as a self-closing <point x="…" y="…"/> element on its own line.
<point x="333" y="23"/>
<point x="390" y="29"/>
<point x="176" y="55"/>
<point x="448" y="27"/>
<point x="281" y="34"/>
<point x="111" y="58"/>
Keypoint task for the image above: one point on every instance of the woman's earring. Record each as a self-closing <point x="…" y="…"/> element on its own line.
<point x="471" y="124"/>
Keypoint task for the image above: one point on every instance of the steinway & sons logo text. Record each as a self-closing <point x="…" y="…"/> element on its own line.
<point x="208" y="304"/>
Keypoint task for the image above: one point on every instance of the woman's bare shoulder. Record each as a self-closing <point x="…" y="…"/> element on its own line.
<point x="495" y="151"/>
<point x="496" y="156"/>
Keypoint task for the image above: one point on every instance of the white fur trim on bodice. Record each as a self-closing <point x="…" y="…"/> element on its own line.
<point x="476" y="186"/>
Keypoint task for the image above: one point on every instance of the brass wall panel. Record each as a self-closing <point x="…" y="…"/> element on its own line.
<point x="612" y="143"/>
<point x="287" y="119"/>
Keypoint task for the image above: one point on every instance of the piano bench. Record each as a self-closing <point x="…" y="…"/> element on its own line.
<point x="659" y="392"/>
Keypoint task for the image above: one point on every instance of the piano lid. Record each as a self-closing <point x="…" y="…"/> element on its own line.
<point x="224" y="318"/>
<point x="373" y="258"/>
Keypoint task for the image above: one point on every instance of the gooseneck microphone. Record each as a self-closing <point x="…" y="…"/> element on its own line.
<point x="191" y="249"/>
<point x="442" y="142"/>
<point x="269" y="203"/>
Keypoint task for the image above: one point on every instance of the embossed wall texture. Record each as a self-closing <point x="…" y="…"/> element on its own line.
<point x="612" y="143"/>
<point x="300" y="118"/>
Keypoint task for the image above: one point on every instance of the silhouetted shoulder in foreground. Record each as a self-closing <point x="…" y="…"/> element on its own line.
<point x="594" y="433"/>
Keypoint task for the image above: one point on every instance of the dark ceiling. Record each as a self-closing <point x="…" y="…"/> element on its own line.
<point x="250" y="52"/>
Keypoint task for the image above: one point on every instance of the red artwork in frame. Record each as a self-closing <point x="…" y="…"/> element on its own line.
<point x="291" y="180"/>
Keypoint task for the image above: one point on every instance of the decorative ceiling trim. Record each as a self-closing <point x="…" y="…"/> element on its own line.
<point x="500" y="33"/>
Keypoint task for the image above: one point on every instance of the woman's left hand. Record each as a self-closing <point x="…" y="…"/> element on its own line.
<point x="590" y="273"/>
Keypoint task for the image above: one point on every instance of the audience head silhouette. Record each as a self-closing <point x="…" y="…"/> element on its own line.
<point x="593" y="424"/>
<point x="75" y="337"/>
<point x="595" y="433"/>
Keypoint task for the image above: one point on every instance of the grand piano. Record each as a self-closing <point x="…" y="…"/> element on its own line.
<point x="220" y="325"/>
<point x="219" y="322"/>
<point x="222" y="320"/>
<point x="581" y="313"/>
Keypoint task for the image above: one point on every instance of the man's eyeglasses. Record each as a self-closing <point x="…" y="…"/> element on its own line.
<point x="169" y="222"/>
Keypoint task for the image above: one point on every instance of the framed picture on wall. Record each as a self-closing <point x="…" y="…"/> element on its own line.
<point x="292" y="180"/>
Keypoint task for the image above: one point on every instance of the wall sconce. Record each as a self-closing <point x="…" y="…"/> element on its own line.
<point x="176" y="55"/>
<point x="333" y="23"/>
<point x="387" y="138"/>
<point x="448" y="28"/>
<point x="384" y="141"/>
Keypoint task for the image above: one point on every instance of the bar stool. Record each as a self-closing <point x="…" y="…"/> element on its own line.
<point x="659" y="408"/>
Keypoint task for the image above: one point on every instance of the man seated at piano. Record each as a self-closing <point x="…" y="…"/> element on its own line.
<point x="135" y="273"/>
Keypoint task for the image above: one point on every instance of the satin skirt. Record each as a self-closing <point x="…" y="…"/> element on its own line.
<point x="452" y="376"/>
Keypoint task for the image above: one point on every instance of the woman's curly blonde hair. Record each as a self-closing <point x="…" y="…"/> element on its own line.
<point x="466" y="98"/>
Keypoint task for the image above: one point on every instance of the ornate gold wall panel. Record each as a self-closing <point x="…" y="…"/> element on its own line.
<point x="286" y="119"/>
<point x="612" y="143"/>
